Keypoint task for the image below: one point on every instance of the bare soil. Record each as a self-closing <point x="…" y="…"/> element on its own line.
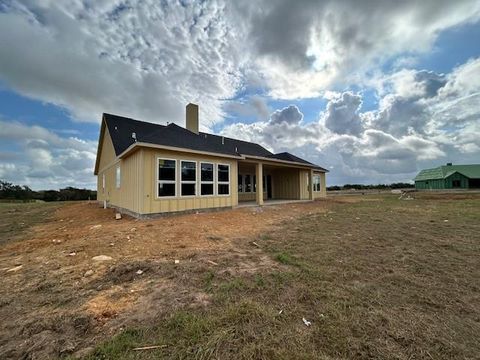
<point x="59" y="301"/>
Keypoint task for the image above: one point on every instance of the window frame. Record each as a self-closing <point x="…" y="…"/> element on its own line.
<point x="118" y="177"/>
<point x="158" y="181"/>
<point x="195" y="182"/>
<point x="223" y="182"/>
<point x="103" y="182"/>
<point x="317" y="181"/>
<point x="207" y="182"/>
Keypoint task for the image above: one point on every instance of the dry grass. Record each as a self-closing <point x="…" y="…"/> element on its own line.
<point x="376" y="276"/>
<point x="382" y="279"/>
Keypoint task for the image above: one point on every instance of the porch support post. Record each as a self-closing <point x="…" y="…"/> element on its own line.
<point x="259" y="184"/>
<point x="310" y="184"/>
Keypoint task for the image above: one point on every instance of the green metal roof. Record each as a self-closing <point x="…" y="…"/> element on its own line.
<point x="442" y="172"/>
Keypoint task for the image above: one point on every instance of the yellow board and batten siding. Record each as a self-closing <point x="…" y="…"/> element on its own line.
<point x="138" y="181"/>
<point x="153" y="204"/>
<point x="129" y="194"/>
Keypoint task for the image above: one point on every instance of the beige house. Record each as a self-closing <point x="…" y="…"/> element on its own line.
<point x="145" y="169"/>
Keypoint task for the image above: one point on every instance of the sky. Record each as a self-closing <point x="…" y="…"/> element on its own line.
<point x="371" y="90"/>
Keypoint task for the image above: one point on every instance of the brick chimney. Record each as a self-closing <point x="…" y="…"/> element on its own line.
<point x="192" y="118"/>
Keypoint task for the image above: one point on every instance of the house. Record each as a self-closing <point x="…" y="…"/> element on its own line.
<point x="449" y="177"/>
<point x="144" y="169"/>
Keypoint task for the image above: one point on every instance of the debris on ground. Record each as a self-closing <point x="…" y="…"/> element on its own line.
<point x="212" y="262"/>
<point x="177" y="261"/>
<point x="306" y="322"/>
<point x="149" y="347"/>
<point x="57" y="241"/>
<point x="133" y="229"/>
<point x="254" y="243"/>
<point x="73" y="253"/>
<point x="280" y="312"/>
<point x="139" y="272"/>
<point x="95" y="227"/>
<point x="102" y="258"/>
<point x="88" y="273"/>
<point x="15" y="269"/>
<point x="118" y="216"/>
<point x="406" y="195"/>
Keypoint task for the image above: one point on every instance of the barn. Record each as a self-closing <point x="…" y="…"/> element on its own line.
<point x="449" y="177"/>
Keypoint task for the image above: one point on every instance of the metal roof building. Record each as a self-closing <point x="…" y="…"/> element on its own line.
<point x="449" y="177"/>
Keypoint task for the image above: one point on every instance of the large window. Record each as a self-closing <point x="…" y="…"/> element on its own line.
<point x="316" y="182"/>
<point x="117" y="177"/>
<point x="166" y="177"/>
<point x="188" y="178"/>
<point x="206" y="179"/>
<point x="223" y="179"/>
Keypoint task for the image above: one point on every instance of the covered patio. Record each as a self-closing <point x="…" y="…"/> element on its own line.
<point x="280" y="182"/>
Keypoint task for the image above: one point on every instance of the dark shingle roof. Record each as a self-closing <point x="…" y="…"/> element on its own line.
<point x="121" y="129"/>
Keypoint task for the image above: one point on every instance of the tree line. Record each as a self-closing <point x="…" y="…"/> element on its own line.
<point x="399" y="185"/>
<point x="12" y="192"/>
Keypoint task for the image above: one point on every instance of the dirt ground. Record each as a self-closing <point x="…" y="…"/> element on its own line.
<point x="55" y="300"/>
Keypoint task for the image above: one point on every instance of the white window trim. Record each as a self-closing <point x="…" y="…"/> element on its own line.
<point x="195" y="182"/>
<point x="103" y="182"/>
<point x="157" y="181"/>
<point x="214" y="166"/>
<point x="223" y="182"/>
<point x="118" y="177"/>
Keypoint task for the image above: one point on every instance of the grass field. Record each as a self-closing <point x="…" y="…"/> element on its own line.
<point x="376" y="277"/>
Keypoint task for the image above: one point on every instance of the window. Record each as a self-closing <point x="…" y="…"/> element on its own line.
<point x="188" y="178"/>
<point x="103" y="182"/>
<point x="254" y="183"/>
<point x="167" y="177"/>
<point x="264" y="183"/>
<point x="240" y="183"/>
<point x="117" y="177"/>
<point x="248" y="183"/>
<point x="316" y="182"/>
<point x="456" y="183"/>
<point x="206" y="179"/>
<point x="223" y="179"/>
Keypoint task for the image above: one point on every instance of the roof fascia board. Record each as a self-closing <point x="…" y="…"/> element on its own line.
<point x="265" y="159"/>
<point x="173" y="148"/>
<point x="100" y="145"/>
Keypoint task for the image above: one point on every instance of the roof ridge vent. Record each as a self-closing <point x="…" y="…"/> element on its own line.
<point x="134" y="136"/>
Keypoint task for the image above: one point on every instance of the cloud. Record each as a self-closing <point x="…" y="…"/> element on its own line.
<point x="342" y="114"/>
<point x="145" y="62"/>
<point x="43" y="159"/>
<point x="288" y="115"/>
<point x="254" y="105"/>
<point x="422" y="119"/>
<point x="323" y="43"/>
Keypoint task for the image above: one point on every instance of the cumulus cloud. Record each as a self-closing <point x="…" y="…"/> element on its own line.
<point x="409" y="130"/>
<point x="321" y="43"/>
<point x="146" y="61"/>
<point x="45" y="160"/>
<point x="289" y="115"/>
<point x="342" y="114"/>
